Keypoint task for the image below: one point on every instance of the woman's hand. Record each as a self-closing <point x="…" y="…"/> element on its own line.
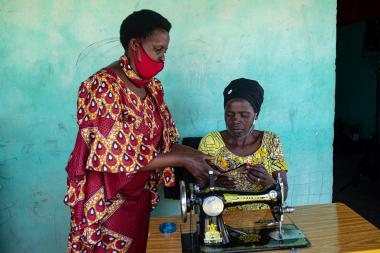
<point x="258" y="175"/>
<point x="191" y="159"/>
<point x="225" y="182"/>
<point x="194" y="161"/>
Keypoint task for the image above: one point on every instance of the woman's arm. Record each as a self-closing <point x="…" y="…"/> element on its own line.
<point x="278" y="166"/>
<point x="191" y="159"/>
<point x="257" y="174"/>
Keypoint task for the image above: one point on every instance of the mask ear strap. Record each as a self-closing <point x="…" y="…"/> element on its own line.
<point x="250" y="131"/>
<point x="253" y="123"/>
<point x="136" y="48"/>
<point x="138" y="51"/>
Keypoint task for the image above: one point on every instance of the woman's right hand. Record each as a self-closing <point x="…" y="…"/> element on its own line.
<point x="191" y="159"/>
<point x="194" y="161"/>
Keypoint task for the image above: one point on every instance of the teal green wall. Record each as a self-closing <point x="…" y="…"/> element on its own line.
<point x="289" y="46"/>
<point x="355" y="79"/>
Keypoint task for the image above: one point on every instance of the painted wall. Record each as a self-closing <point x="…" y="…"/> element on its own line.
<point x="355" y="79"/>
<point x="289" y="46"/>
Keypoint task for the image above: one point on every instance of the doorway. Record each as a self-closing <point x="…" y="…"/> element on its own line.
<point x="356" y="140"/>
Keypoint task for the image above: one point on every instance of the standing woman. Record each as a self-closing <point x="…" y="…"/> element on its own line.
<point x="125" y="144"/>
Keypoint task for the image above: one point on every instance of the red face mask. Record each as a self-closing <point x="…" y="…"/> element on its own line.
<point x="147" y="68"/>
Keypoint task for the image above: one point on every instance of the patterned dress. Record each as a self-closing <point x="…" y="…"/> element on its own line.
<point x="269" y="154"/>
<point x="119" y="133"/>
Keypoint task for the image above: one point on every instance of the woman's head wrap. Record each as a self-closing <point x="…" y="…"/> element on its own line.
<point x="247" y="89"/>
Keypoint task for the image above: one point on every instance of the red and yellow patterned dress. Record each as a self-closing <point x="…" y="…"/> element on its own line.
<point x="119" y="133"/>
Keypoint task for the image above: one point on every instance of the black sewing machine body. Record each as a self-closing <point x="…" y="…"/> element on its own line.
<point x="213" y="235"/>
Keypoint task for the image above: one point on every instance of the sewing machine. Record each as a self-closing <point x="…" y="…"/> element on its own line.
<point x="213" y="235"/>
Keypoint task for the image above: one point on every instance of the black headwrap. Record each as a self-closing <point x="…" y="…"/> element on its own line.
<point x="247" y="89"/>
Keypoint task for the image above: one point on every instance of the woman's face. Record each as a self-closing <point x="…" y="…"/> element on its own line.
<point x="156" y="44"/>
<point x="239" y="116"/>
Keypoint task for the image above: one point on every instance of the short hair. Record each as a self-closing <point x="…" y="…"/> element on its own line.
<point x="140" y="24"/>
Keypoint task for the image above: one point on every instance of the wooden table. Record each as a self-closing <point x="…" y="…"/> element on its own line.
<point x="329" y="227"/>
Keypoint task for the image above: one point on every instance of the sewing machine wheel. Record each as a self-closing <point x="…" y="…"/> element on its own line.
<point x="213" y="206"/>
<point x="183" y="199"/>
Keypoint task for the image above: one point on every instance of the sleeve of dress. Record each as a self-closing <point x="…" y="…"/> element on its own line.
<point x="276" y="155"/>
<point x="170" y="133"/>
<point x="210" y="144"/>
<point x="205" y="145"/>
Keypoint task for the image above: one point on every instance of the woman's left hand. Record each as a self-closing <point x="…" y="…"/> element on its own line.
<point x="258" y="175"/>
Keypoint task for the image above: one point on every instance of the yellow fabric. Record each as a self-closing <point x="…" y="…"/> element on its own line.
<point x="269" y="154"/>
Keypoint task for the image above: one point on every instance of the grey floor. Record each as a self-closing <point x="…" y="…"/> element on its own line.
<point x="356" y="183"/>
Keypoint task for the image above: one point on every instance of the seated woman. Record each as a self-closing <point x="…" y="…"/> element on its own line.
<point x="241" y="144"/>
